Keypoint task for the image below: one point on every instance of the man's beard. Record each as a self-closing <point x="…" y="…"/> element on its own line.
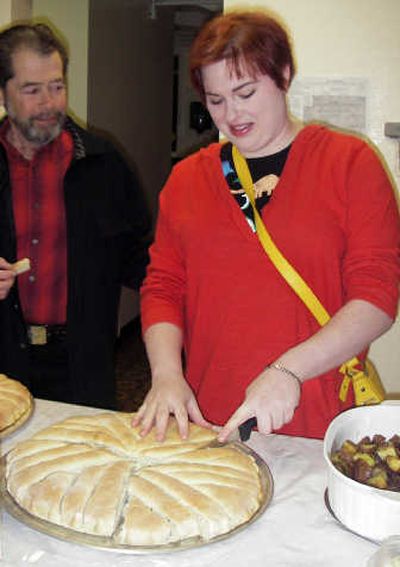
<point x="39" y="136"/>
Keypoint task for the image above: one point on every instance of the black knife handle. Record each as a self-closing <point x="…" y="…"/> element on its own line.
<point x="246" y="428"/>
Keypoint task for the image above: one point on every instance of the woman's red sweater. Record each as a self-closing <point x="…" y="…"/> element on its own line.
<point x="333" y="215"/>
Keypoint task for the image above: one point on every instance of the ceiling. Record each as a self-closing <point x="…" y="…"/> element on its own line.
<point x="189" y="16"/>
<point x="211" y="5"/>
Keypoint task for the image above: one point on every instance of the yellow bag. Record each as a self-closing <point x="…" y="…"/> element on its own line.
<point x="367" y="386"/>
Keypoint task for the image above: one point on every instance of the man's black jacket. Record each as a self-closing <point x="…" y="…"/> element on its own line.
<point x="108" y="230"/>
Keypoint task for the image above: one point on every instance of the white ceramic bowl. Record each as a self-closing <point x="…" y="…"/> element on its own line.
<point x="371" y="512"/>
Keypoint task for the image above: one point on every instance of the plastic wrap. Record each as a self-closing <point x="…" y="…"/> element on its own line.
<point x="388" y="554"/>
<point x="22" y="550"/>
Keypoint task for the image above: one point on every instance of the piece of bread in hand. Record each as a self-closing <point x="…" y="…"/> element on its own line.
<point x="22" y="266"/>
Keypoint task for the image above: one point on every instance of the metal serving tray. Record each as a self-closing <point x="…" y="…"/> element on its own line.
<point x="19" y="423"/>
<point x="107" y="544"/>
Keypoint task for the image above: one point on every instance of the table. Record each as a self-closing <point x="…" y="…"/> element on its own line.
<point x="296" y="530"/>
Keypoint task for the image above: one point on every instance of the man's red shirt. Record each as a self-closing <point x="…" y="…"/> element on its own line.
<point x="39" y="213"/>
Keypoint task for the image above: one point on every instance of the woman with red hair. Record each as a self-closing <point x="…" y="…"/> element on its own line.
<point x="251" y="347"/>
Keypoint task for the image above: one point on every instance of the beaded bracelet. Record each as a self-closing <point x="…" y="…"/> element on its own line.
<point x="279" y="366"/>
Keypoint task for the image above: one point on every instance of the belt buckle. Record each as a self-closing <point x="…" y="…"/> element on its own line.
<point x="37" y="334"/>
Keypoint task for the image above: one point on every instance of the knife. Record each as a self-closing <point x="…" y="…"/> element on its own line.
<point x="246" y="427"/>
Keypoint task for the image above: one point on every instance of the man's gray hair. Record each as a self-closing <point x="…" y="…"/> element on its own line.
<point x="36" y="37"/>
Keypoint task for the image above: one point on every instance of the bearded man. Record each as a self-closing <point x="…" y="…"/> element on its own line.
<point x="69" y="204"/>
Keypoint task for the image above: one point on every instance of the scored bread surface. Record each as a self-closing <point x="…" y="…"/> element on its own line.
<point x="15" y="402"/>
<point x="97" y="475"/>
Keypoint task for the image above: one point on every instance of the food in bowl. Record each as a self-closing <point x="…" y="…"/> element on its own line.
<point x="373" y="461"/>
<point x="366" y="510"/>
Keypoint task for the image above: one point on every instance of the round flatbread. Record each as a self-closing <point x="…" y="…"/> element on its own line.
<point x="15" y="404"/>
<point x="95" y="474"/>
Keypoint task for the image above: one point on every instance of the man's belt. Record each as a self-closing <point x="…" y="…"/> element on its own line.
<point x="45" y="334"/>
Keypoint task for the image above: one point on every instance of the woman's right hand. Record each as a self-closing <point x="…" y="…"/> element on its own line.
<point x="7" y="278"/>
<point x="169" y="395"/>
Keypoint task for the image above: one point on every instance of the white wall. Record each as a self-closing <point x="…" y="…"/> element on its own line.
<point x="21" y="9"/>
<point x="5" y="12"/>
<point x="353" y="39"/>
<point x="71" y="19"/>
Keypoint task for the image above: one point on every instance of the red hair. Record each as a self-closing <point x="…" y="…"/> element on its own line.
<point x="252" y="38"/>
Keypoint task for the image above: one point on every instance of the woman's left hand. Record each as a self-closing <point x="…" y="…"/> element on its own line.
<point x="272" y="398"/>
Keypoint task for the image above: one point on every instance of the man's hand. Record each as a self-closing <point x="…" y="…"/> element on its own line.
<point x="169" y="396"/>
<point x="7" y="277"/>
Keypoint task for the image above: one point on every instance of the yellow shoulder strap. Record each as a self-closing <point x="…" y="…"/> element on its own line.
<point x="289" y="273"/>
<point x="367" y="386"/>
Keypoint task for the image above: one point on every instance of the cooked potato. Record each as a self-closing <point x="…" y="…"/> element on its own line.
<point x="369" y="459"/>
<point x="386" y="450"/>
<point x="378" y="480"/>
<point x="349" y="447"/>
<point x="375" y="461"/>
<point x="393" y="463"/>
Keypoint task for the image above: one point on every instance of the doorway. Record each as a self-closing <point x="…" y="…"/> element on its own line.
<point x="138" y="89"/>
<point x="138" y="86"/>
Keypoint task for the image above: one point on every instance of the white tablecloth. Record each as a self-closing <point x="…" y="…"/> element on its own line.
<point x="296" y="530"/>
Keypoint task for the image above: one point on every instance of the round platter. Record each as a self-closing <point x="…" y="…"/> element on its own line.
<point x="108" y="544"/>
<point x="19" y="423"/>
